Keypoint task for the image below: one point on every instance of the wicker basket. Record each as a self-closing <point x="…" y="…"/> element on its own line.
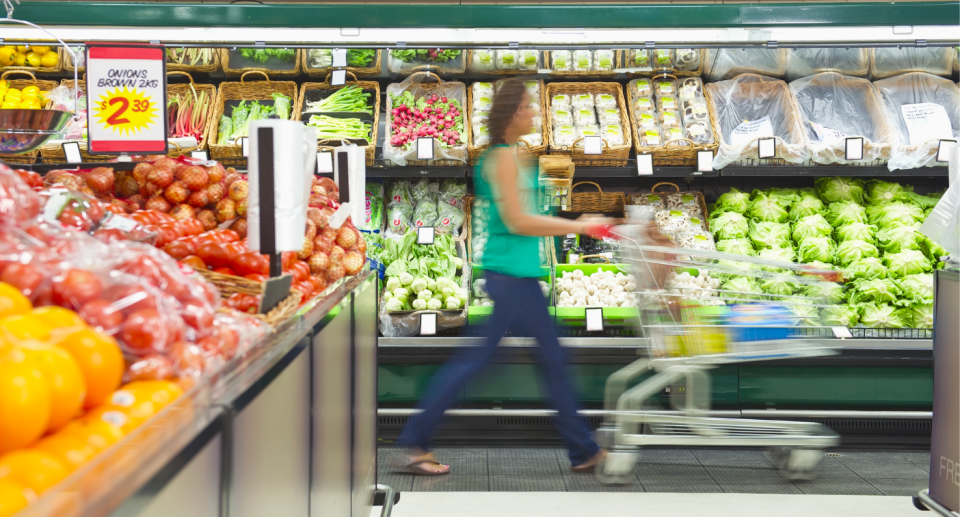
<point x="676" y="153"/>
<point x="698" y="199"/>
<point x="599" y="201"/>
<point x="634" y="72"/>
<point x="182" y="88"/>
<point x="230" y="284"/>
<point x="497" y="71"/>
<point x="40" y="69"/>
<point x="53" y="153"/>
<point x="68" y="61"/>
<point x="231" y="154"/>
<point x="205" y="69"/>
<point x="357" y="71"/>
<point x="473" y="153"/>
<point x="426" y="87"/>
<point x="612" y="155"/>
<point x="581" y="74"/>
<point x="371" y="146"/>
<point x="454" y="68"/>
<point x="234" y="72"/>
<point x="28" y="158"/>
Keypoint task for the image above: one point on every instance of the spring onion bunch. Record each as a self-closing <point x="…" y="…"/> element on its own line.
<point x="349" y="128"/>
<point x="350" y="99"/>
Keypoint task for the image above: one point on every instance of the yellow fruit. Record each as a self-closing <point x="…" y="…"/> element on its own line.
<point x="12" y="93"/>
<point x="30" y="90"/>
<point x="9" y="106"/>
<point x="25" y="404"/>
<point x="7" y="56"/>
<point x="14" y="497"/>
<point x="100" y="360"/>
<point x="12" y="301"/>
<point x="63" y="375"/>
<point x="24" y="327"/>
<point x="50" y="59"/>
<point x="21" y="59"/>
<point x="70" y="449"/>
<point x="4" y="84"/>
<point x="33" y="59"/>
<point x="36" y="470"/>
<point x="39" y="50"/>
<point x="59" y="317"/>
<point x="22" y="48"/>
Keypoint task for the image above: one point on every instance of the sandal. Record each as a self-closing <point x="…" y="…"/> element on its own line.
<point x="591" y="464"/>
<point x="417" y="465"/>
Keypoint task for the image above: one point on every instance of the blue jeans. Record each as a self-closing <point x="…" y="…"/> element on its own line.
<point x="512" y="296"/>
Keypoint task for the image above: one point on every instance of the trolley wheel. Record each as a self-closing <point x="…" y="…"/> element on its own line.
<point x="606" y="436"/>
<point x="616" y="469"/>
<point x="800" y="464"/>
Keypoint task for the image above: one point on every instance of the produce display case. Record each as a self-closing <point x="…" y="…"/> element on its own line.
<point x="197" y="60"/>
<point x="723" y="64"/>
<point x="694" y="122"/>
<point x="613" y="317"/>
<point x="611" y="154"/>
<point x="888" y="62"/>
<point x="504" y="62"/>
<point x="474" y="151"/>
<point x="918" y="146"/>
<point x="315" y="91"/>
<point x="370" y="69"/>
<point x="452" y="155"/>
<point x="654" y="62"/>
<point x="451" y="63"/>
<point x="582" y="64"/>
<point x="193" y="90"/>
<point x="853" y="62"/>
<point x="238" y="62"/>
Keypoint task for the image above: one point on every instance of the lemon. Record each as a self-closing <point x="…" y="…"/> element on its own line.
<point x="7" y="56"/>
<point x="50" y="59"/>
<point x="40" y="50"/>
<point x="9" y="105"/>
<point x="21" y="59"/>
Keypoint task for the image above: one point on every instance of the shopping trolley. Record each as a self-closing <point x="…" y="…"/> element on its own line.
<point x="694" y="329"/>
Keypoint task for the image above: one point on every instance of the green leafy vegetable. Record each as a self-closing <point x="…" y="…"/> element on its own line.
<point x="806" y="206"/>
<point x="918" y="287"/>
<point x="765" y="234"/>
<point x="845" y="212"/>
<point x="732" y="201"/>
<point x="907" y="262"/>
<point x="737" y="246"/>
<point x="742" y="287"/>
<point x="879" y="191"/>
<point x="282" y="105"/>
<point x="817" y="248"/>
<point x="349" y="99"/>
<point x="918" y="316"/>
<point x="824" y="292"/>
<point x="778" y="286"/>
<point x="840" y="315"/>
<point x="853" y="250"/>
<point x="898" y="237"/>
<point x="874" y="290"/>
<point x="348" y="128"/>
<point x="857" y="231"/>
<point x="894" y="213"/>
<point x="836" y="189"/>
<point x="869" y="267"/>
<point x="766" y="208"/>
<point x="729" y="225"/>
<point x="784" y="196"/>
<point x="434" y="54"/>
<point x="811" y="226"/>
<point x="932" y="250"/>
<point x="880" y="316"/>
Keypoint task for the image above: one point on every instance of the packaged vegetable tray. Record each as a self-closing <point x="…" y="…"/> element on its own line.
<point x="836" y="107"/>
<point x="310" y="92"/>
<point x="443" y="62"/>
<point x="687" y="62"/>
<point x="414" y="89"/>
<point x="934" y="102"/>
<point x="44" y="86"/>
<point x="205" y="60"/>
<point x="192" y="88"/>
<point x="682" y="151"/>
<point x="611" y="155"/>
<point x="311" y="57"/>
<point x="504" y="61"/>
<point x="474" y="151"/>
<point x="270" y="62"/>
<point x="888" y="62"/>
<point x="230" y="153"/>
<point x="748" y="108"/>
<point x="723" y="64"/>
<point x="580" y="64"/>
<point x="801" y="62"/>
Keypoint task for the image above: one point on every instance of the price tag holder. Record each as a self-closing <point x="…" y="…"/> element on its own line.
<point x="338" y="78"/>
<point x="594" y="317"/>
<point x="200" y="155"/>
<point x="854" y="148"/>
<point x="426" y="235"/>
<point x="72" y="151"/>
<point x="704" y="161"/>
<point x="766" y="148"/>
<point x="325" y="162"/>
<point x="572" y="258"/>
<point x="425" y="148"/>
<point x="339" y="57"/>
<point x="841" y="332"/>
<point x="592" y="145"/>
<point x="644" y="164"/>
<point x="944" y="149"/>
<point x="275" y="290"/>
<point x="124" y="158"/>
<point x="428" y="324"/>
<point x="245" y="146"/>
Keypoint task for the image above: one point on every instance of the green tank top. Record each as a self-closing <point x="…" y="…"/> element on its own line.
<point x="507" y="253"/>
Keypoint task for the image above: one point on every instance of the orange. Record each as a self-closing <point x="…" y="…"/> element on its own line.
<point x="100" y="360"/>
<point x="94" y="431"/>
<point x="12" y="301"/>
<point x="70" y="449"/>
<point x="36" y="470"/>
<point x="58" y="317"/>
<point x="24" y="327"/>
<point x="160" y="392"/>
<point x="14" y="497"/>
<point x="68" y="389"/>
<point x="126" y="421"/>
<point x="25" y="403"/>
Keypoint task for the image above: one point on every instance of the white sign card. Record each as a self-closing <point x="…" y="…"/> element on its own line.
<point x="704" y="161"/>
<point x="592" y="145"/>
<point x="750" y="130"/>
<point x="644" y="164"/>
<point x="572" y="258"/>
<point x="72" y="151"/>
<point x="854" y="148"/>
<point x="339" y="57"/>
<point x="825" y="134"/>
<point x="338" y="77"/>
<point x="200" y="155"/>
<point x="425" y="234"/>
<point x="425" y="148"/>
<point x="124" y="158"/>
<point x="594" y="319"/>
<point x="428" y="324"/>
<point x="925" y="122"/>
<point x="325" y="162"/>
<point x="767" y="147"/>
<point x="245" y="146"/>
<point x="944" y="150"/>
<point x="841" y="332"/>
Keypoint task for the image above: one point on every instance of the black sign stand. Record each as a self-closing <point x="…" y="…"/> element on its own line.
<point x="277" y="287"/>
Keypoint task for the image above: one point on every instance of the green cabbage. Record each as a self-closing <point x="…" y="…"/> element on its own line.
<point x="778" y="254"/>
<point x="845" y="212"/>
<point x="806" y="315"/>
<point x="824" y="292"/>
<point x="857" y="231"/>
<point x="874" y="290"/>
<point x="836" y="189"/>
<point x="894" y="213"/>
<point x="881" y="315"/>
<point x="778" y="286"/>
<point x="924" y="202"/>
<point x="918" y="287"/>
<point x="839" y="315"/>
<point x="918" y="316"/>
<point x="766" y="208"/>
<point x="931" y="249"/>
<point x="817" y="248"/>
<point x="821" y="265"/>
<point x="732" y="201"/>
<point x="898" y="237"/>
<point x="869" y="267"/>
<point x="879" y="191"/>
<point x="740" y="284"/>
<point x="811" y="226"/>
<point x="784" y="196"/>
<point x="729" y="225"/>
<point x="737" y="246"/>
<point x="766" y="234"/>
<point x="850" y="251"/>
<point x="807" y="205"/>
<point x="907" y="262"/>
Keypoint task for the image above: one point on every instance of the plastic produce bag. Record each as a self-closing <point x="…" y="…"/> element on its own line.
<point x="722" y="64"/>
<point x="64" y="98"/>
<point x="398" y="218"/>
<point x="425" y="214"/>
<point x="417" y="86"/>
<point x="923" y="109"/>
<point x="373" y="207"/>
<point x="802" y="62"/>
<point x="452" y="192"/>
<point x="943" y="223"/>
<point x="834" y="108"/>
<point x="888" y="62"/>
<point x="449" y="219"/>
<point x="424" y="190"/>
<point x="751" y="107"/>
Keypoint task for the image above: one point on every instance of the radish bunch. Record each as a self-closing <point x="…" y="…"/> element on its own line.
<point x="430" y="116"/>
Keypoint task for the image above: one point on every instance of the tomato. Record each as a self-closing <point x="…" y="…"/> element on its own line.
<point x="193" y="261"/>
<point x="25" y="277"/>
<point x="317" y="284"/>
<point x="101" y="313"/>
<point x="175" y="227"/>
<point x="197" y="316"/>
<point x="234" y="249"/>
<point x="192" y="226"/>
<point x="154" y="367"/>
<point x="109" y="235"/>
<point x="76" y="288"/>
<point x="225" y="271"/>
<point x="302" y="268"/>
<point x="72" y="219"/>
<point x="130" y="298"/>
<point x="179" y="249"/>
<point x="146" y="331"/>
<point x="230" y="235"/>
<point x="288" y="259"/>
<point x="165" y="235"/>
<point x="242" y="303"/>
<point x="213" y="254"/>
<point x="250" y="263"/>
<point x="305" y="288"/>
<point x="256" y="277"/>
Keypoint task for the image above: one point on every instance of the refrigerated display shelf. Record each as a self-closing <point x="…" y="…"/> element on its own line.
<point x="864" y="339"/>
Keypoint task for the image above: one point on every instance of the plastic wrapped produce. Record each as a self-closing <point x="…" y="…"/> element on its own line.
<point x="668" y="119"/>
<point x="667" y="102"/>
<point x="644" y="105"/>
<point x="561" y="100"/>
<point x="802" y="62"/>
<point x="452" y="192"/>
<point x="648" y="120"/>
<point x="604" y="101"/>
<point x="638" y="58"/>
<point x="687" y="59"/>
<point x="672" y="221"/>
<point x="751" y="107"/>
<point x="674" y="134"/>
<point x="923" y="109"/>
<point x="689" y="87"/>
<point x="564" y="135"/>
<point x="650" y="137"/>
<point x="449" y="219"/>
<point x="561" y="60"/>
<point x="562" y="116"/>
<point x="587" y="130"/>
<point x="612" y="134"/>
<point x="507" y="59"/>
<point x="373" y="214"/>
<point x="409" y="98"/>
<point x="695" y="108"/>
<point x="424" y="190"/>
<point x="582" y="60"/>
<point x="398" y="217"/>
<point x="528" y="59"/>
<point x="585" y="116"/>
<point x="723" y="64"/>
<point x="482" y="90"/>
<point x="604" y="59"/>
<point x="425" y="214"/>
<point x="582" y="100"/>
<point x="836" y="108"/>
<point x="699" y="133"/>
<point x="608" y="116"/>
<point x="664" y="86"/>
<point x="482" y="60"/>
<point x="888" y="62"/>
<point x="650" y="199"/>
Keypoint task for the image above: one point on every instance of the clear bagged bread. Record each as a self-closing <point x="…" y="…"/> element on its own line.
<point x="922" y="109"/>
<point x="802" y="62"/>
<point x="888" y="62"/>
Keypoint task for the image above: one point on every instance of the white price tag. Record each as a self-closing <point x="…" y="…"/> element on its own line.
<point x="594" y="319"/>
<point x="425" y="148"/>
<point x="841" y="332"/>
<point x="119" y="222"/>
<point x="325" y="162"/>
<point x="572" y="258"/>
<point x="704" y="161"/>
<point x="925" y="122"/>
<point x="200" y="155"/>
<point x="339" y="57"/>
<point x="72" y="152"/>
<point x="124" y="158"/>
<point x="592" y="145"/>
<point x="338" y="78"/>
<point x="854" y="148"/>
<point x="644" y="164"/>
<point x="944" y="150"/>
<point x="245" y="146"/>
<point x="425" y="234"/>
<point x="428" y="324"/>
<point x="766" y="147"/>
<point x="825" y="134"/>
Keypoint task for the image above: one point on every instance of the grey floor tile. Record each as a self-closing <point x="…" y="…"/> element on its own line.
<point x="589" y="482"/>
<point x="453" y="482"/>
<point x="898" y="487"/>
<point x="752" y="480"/>
<point x="524" y="470"/>
<point x="732" y="458"/>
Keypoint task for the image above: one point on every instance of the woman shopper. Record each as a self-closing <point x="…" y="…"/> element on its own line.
<point x="512" y="266"/>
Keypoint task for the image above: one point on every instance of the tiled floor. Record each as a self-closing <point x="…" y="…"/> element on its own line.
<point x="666" y="471"/>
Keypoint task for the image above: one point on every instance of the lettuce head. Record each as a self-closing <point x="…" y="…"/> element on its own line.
<point x="805" y="206"/>
<point x="853" y="250"/>
<point x="835" y="189"/>
<point x="766" y="208"/>
<point x="875" y="290"/>
<point x="868" y="267"/>
<point x="729" y="225"/>
<point x="811" y="226"/>
<point x="767" y="234"/>
<point x="839" y="315"/>
<point x="896" y="212"/>
<point x="918" y="287"/>
<point x="907" y="262"/>
<point x="736" y="246"/>
<point x="880" y="315"/>
<point x="732" y="201"/>
<point x="842" y="213"/>
<point x="879" y="191"/>
<point x="917" y="316"/>
<point x="821" y="249"/>
<point x="857" y="231"/>
<point x="897" y="237"/>
<point x="824" y="292"/>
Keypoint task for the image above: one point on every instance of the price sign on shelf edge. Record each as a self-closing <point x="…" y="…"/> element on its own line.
<point x="127" y="98"/>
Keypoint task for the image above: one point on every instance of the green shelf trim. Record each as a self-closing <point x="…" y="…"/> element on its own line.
<point x="47" y="13"/>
